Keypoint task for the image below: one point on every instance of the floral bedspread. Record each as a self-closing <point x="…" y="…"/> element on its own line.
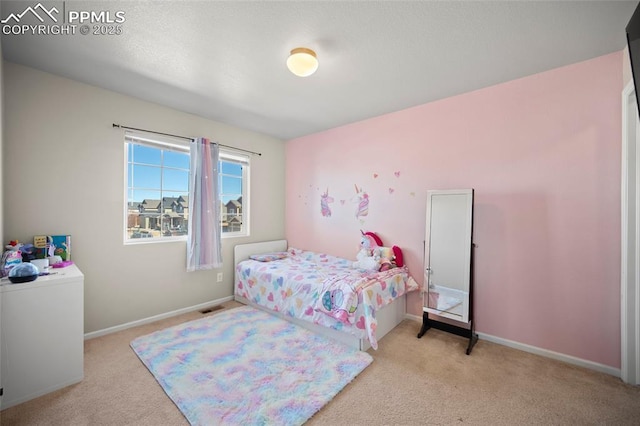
<point x="322" y="289"/>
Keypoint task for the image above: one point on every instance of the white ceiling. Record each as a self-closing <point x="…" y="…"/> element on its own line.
<point x="226" y="60"/>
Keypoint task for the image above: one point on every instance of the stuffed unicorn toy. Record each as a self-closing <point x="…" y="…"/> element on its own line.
<point x="369" y="254"/>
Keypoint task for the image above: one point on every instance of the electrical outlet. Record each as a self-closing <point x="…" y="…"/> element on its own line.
<point x="219" y="277"/>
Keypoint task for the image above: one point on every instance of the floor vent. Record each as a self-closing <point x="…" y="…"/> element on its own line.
<point x="211" y="309"/>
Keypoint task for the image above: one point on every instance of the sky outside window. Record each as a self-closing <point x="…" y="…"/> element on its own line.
<point x="152" y="169"/>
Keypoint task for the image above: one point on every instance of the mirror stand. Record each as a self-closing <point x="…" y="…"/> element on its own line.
<point x="469" y="333"/>
<point x="449" y="253"/>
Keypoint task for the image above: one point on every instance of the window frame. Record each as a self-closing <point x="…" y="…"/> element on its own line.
<point x="178" y="145"/>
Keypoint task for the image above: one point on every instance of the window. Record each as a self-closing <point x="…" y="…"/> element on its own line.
<point x="232" y="183"/>
<point x="157" y="193"/>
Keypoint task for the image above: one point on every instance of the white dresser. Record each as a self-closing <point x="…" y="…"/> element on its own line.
<point x="42" y="339"/>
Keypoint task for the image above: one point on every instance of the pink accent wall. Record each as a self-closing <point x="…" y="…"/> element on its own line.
<point x="543" y="155"/>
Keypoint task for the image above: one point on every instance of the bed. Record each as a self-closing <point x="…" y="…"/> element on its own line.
<point x="322" y="293"/>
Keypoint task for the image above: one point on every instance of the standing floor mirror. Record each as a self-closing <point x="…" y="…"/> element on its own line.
<point x="448" y="264"/>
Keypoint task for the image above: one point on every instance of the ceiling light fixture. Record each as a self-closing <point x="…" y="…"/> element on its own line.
<point x="302" y="62"/>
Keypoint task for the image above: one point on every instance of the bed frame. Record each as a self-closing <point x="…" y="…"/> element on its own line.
<point x="388" y="317"/>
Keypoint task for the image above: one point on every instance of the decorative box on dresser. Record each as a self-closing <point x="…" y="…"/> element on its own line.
<point x="42" y="339"/>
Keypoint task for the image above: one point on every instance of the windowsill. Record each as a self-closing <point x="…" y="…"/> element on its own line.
<point x="160" y="240"/>
<point x="235" y="235"/>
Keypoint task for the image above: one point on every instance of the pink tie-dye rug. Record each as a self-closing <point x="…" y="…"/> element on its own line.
<point x="247" y="367"/>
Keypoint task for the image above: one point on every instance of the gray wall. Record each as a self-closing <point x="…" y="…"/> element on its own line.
<point x="64" y="174"/>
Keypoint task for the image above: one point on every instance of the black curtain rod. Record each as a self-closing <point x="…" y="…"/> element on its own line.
<point x="183" y="137"/>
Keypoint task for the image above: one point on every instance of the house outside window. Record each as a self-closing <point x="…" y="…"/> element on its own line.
<point x="232" y="183"/>
<point x="157" y="192"/>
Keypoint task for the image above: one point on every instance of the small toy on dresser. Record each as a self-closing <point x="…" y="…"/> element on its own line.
<point x="53" y="245"/>
<point x="11" y="257"/>
<point x="23" y="273"/>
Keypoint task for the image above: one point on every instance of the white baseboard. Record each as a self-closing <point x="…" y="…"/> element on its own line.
<point x="539" y="351"/>
<point x="148" y="320"/>
<point x="551" y="354"/>
<point x="413" y="317"/>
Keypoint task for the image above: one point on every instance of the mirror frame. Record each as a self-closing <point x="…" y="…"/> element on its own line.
<point x="465" y="315"/>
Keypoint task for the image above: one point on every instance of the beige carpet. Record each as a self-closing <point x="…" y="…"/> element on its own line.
<point x="428" y="381"/>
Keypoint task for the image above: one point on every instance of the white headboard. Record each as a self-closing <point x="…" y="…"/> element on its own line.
<point x="243" y="251"/>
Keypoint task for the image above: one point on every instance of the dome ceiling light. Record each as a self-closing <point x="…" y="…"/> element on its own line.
<point x="302" y="62"/>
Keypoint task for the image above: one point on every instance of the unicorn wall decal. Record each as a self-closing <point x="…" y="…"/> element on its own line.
<point x="362" y="198"/>
<point x="324" y="204"/>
